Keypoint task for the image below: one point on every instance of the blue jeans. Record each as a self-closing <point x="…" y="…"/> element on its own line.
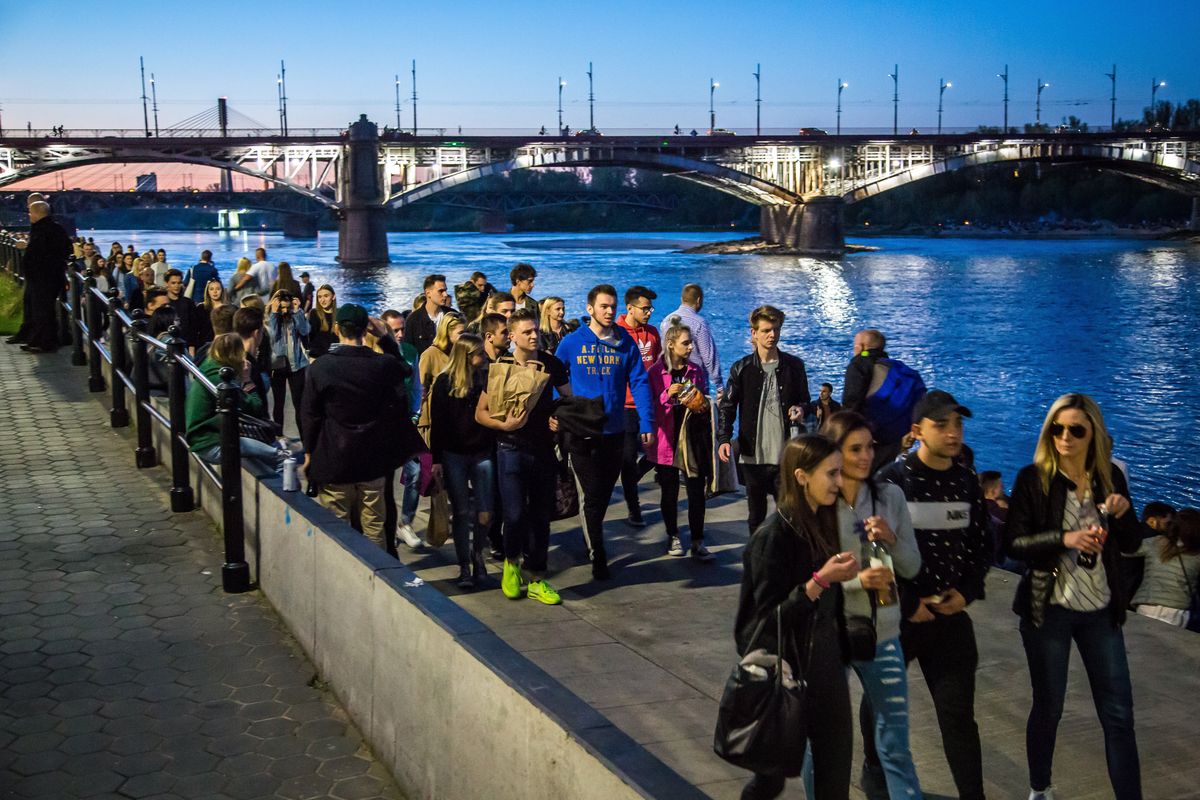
<point x="410" y="476"/>
<point x="264" y="458"/>
<point x="1102" y="648"/>
<point x="527" y="487"/>
<point x="468" y="476"/>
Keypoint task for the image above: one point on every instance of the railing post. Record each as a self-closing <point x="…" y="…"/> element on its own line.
<point x="235" y="572"/>
<point x="64" y="304"/>
<point x="118" y="416"/>
<point x="94" y="314"/>
<point x="181" y="486"/>
<point x="77" y="356"/>
<point x="145" y="455"/>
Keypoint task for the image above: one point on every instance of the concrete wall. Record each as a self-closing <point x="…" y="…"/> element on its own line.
<point x="449" y="707"/>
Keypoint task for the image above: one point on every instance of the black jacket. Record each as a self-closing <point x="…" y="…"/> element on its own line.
<point x="355" y="416"/>
<point x="857" y="383"/>
<point x="419" y="329"/>
<point x="188" y="315"/>
<point x="743" y="391"/>
<point x="45" y="261"/>
<point x="1033" y="534"/>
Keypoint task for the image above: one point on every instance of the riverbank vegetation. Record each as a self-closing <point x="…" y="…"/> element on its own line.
<point x="10" y="305"/>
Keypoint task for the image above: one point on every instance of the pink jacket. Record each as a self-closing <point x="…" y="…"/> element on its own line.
<point x="664" y="407"/>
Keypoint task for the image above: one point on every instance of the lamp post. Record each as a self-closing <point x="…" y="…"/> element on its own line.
<point x="1040" y="87"/>
<point x="283" y="96"/>
<point x="895" y="76"/>
<point x="591" y="102"/>
<point x="942" y="87"/>
<point x="561" y="84"/>
<point x="712" y="109"/>
<point x="1112" y="115"/>
<point x="1004" y="77"/>
<point x="154" y="102"/>
<point x="841" y="86"/>
<point x="145" y="114"/>
<point x="414" y="95"/>
<point x="758" y="99"/>
<point x="397" y="102"/>
<point x="279" y="100"/>
<point x="1155" y="85"/>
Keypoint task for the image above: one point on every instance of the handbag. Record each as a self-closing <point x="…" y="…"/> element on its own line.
<point x="762" y="721"/>
<point x="260" y="430"/>
<point x="566" y="494"/>
<point x="860" y="631"/>
<point x="695" y="401"/>
<point x="437" y="530"/>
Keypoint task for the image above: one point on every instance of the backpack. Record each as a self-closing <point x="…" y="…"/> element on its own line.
<point x="890" y="408"/>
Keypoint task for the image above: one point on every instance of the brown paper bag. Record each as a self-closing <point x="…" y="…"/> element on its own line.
<point x="514" y="387"/>
<point x="438" y="529"/>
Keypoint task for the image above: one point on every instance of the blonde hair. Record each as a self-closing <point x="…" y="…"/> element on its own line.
<point x="676" y="329"/>
<point x="1099" y="457"/>
<point x="544" y="316"/>
<point x="227" y="350"/>
<point x="459" y="371"/>
<point x="243" y="264"/>
<point x="208" y="303"/>
<point x="445" y="326"/>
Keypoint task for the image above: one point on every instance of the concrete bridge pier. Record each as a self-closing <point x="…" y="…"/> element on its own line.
<point x="362" y="220"/>
<point x="812" y="229"/>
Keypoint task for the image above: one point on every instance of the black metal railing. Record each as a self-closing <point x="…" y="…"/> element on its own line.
<point x="125" y="343"/>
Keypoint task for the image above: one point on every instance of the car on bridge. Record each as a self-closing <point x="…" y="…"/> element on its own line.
<point x="812" y="132"/>
<point x="721" y="132"/>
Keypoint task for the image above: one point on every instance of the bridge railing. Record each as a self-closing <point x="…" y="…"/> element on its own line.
<point x="12" y="256"/>
<point x="100" y="330"/>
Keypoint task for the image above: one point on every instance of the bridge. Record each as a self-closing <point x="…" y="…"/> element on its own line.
<point x="801" y="183"/>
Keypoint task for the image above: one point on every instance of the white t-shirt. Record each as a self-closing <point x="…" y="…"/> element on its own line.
<point x="266" y="274"/>
<point x="160" y="272"/>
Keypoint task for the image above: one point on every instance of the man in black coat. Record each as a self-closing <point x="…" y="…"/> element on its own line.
<point x="355" y="420"/>
<point x="45" y="269"/>
<point x="421" y="326"/>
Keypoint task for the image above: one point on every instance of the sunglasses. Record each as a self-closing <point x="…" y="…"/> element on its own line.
<point x="1076" y="431"/>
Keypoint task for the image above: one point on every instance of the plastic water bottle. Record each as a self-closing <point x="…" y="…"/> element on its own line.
<point x="291" y="480"/>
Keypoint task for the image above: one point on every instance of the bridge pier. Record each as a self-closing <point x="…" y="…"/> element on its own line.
<point x="362" y="222"/>
<point x="812" y="229"/>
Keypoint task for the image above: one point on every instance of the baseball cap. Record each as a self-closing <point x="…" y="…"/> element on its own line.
<point x="304" y="275"/>
<point x="937" y="405"/>
<point x="350" y="314"/>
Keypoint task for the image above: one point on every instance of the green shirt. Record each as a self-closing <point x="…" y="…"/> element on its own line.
<point x="203" y="430"/>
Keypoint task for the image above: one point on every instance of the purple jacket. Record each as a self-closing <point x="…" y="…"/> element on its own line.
<point x="664" y="407"/>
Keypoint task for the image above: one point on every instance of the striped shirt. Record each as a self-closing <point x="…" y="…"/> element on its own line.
<point x="1080" y="588"/>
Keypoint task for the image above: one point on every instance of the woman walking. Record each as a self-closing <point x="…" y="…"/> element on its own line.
<point x="236" y="292"/>
<point x="1068" y="518"/>
<point x="1172" y="575"/>
<point x="793" y="565"/>
<point x="435" y="359"/>
<point x="214" y="296"/>
<point x="285" y="281"/>
<point x="683" y="436"/>
<point x="873" y="521"/>
<point x="552" y="326"/>
<point x="288" y="359"/>
<point x="464" y="454"/>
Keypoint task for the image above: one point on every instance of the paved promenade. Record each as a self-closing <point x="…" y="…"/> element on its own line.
<point x="125" y="672"/>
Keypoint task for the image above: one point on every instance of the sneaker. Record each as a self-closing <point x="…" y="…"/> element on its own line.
<point x="675" y="548"/>
<point x="634" y="520"/>
<point x="497" y="554"/>
<point x="600" y="569"/>
<point x="465" y="579"/>
<point x="510" y="582"/>
<point x="1042" y="794"/>
<point x="409" y="536"/>
<point x="478" y="567"/>
<point x="544" y="593"/>
<point x="700" y="553"/>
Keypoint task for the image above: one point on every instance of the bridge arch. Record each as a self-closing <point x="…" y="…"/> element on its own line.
<point x="724" y="179"/>
<point x="48" y="167"/>
<point x="1168" y="171"/>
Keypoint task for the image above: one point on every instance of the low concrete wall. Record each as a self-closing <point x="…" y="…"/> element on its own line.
<point x="448" y="706"/>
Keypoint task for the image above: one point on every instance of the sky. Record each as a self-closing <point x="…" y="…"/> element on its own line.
<point x="497" y="64"/>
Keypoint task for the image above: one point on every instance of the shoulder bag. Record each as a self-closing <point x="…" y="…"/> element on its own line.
<point x="860" y="630"/>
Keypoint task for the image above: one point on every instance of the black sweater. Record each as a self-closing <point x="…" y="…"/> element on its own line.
<point x="452" y="422"/>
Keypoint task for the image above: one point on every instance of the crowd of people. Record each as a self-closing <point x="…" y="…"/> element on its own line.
<point x="881" y="532"/>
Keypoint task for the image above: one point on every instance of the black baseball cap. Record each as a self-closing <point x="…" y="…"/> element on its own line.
<point x="937" y="405"/>
<point x="352" y="314"/>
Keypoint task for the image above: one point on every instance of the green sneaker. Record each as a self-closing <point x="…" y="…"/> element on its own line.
<point x="544" y="593"/>
<point x="510" y="582"/>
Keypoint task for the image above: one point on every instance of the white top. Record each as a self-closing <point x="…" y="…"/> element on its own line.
<point x="266" y="274"/>
<point x="1080" y="588"/>
<point x="160" y="272"/>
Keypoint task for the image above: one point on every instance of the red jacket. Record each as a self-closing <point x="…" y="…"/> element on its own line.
<point x="649" y="345"/>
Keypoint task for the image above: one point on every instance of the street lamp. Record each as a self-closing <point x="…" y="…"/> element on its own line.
<point x="145" y="116"/>
<point x="561" y="84"/>
<point x="154" y="101"/>
<point x="283" y="97"/>
<point x="1004" y="77"/>
<point x="397" y="101"/>
<point x="841" y="86"/>
<point x="758" y="99"/>
<point x="1112" y="116"/>
<point x="1155" y="85"/>
<point x="712" y="111"/>
<point x="1040" y="87"/>
<point x="942" y="87"/>
<point x="591" y="102"/>
<point x="895" y="76"/>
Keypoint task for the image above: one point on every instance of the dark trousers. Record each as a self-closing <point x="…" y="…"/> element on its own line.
<point x="42" y="316"/>
<point x="597" y="462"/>
<point x="669" y="479"/>
<point x="391" y="514"/>
<point x="281" y="380"/>
<point x="1102" y="648"/>
<point x="22" y="334"/>
<point x="945" y="649"/>
<point x="760" y="480"/>
<point x="633" y="462"/>
<point x="528" y="503"/>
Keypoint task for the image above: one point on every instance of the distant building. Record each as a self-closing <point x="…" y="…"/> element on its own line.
<point x="147" y="183"/>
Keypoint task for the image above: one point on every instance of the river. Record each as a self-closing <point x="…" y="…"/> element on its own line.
<point x="1005" y="325"/>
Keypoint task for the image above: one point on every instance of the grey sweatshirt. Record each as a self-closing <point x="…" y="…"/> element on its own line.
<point x="1163" y="583"/>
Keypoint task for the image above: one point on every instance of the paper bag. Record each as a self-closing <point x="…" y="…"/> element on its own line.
<point x="514" y="387"/>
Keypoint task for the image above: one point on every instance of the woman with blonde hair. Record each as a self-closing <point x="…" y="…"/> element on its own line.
<point x="1069" y="519"/>
<point x="236" y="294"/>
<point x="320" y="322"/>
<point x="551" y="326"/>
<point x="435" y="359"/>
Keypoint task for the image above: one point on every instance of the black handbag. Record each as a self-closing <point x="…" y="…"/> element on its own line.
<point x="260" y="430"/>
<point x="566" y="494"/>
<point x="762" y="723"/>
<point x="860" y="630"/>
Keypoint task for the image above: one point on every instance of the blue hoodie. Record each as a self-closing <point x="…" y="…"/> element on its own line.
<point x="599" y="369"/>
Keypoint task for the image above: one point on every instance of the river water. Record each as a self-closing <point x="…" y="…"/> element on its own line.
<point x="1005" y="325"/>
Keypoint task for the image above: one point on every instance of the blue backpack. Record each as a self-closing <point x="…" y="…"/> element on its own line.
<point x="890" y="408"/>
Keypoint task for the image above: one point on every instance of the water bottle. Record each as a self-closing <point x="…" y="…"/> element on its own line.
<point x="291" y="480"/>
<point x="1089" y="560"/>
<point x="881" y="558"/>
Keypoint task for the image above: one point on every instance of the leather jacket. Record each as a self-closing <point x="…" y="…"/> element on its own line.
<point x="743" y="392"/>
<point x="1033" y="534"/>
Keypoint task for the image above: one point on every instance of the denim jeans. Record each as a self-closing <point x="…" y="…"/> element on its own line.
<point x="1102" y="648"/>
<point x="527" y="486"/>
<point x="263" y="458"/>
<point x="467" y="477"/>
<point x="410" y="476"/>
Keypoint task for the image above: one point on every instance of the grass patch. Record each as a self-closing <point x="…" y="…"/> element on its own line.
<point x="10" y="304"/>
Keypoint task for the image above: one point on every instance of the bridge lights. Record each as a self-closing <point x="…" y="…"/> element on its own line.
<point x="942" y="87"/>
<point x="561" y="84"/>
<point x="1004" y="77"/>
<point x="758" y="99"/>
<point x="1112" y="119"/>
<point x="841" y="86"/>
<point x="1155" y="85"/>
<point x="1040" y="87"/>
<point x="712" y="109"/>
<point x="835" y="163"/>
<point x="895" y="76"/>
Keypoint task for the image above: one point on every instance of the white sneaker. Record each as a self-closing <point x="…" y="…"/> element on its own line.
<point x="676" y="549"/>
<point x="1043" y="794"/>
<point x="409" y="536"/>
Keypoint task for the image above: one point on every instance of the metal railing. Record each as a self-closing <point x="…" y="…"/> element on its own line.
<point x="125" y="343"/>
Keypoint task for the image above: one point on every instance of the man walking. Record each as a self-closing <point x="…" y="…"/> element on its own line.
<point x="950" y="522"/>
<point x="421" y="326"/>
<point x="522" y="277"/>
<point x="639" y="306"/>
<point x="45" y="270"/>
<point x="705" y="354"/>
<point x="602" y="360"/>
<point x="356" y="423"/>
<point x="766" y="393"/>
<point x="187" y="313"/>
<point x="411" y="472"/>
<point x="199" y="275"/>
<point x="884" y="390"/>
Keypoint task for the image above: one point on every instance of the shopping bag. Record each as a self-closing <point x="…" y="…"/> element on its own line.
<point x="512" y="388"/>
<point x="566" y="495"/>
<point x="437" y="530"/>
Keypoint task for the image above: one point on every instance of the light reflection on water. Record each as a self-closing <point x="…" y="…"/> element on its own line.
<point x="1005" y="325"/>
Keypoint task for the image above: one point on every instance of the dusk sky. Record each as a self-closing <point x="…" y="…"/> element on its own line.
<point x="495" y="64"/>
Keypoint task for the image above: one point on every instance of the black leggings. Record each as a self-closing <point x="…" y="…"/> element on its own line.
<point x="668" y="478"/>
<point x="281" y="380"/>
